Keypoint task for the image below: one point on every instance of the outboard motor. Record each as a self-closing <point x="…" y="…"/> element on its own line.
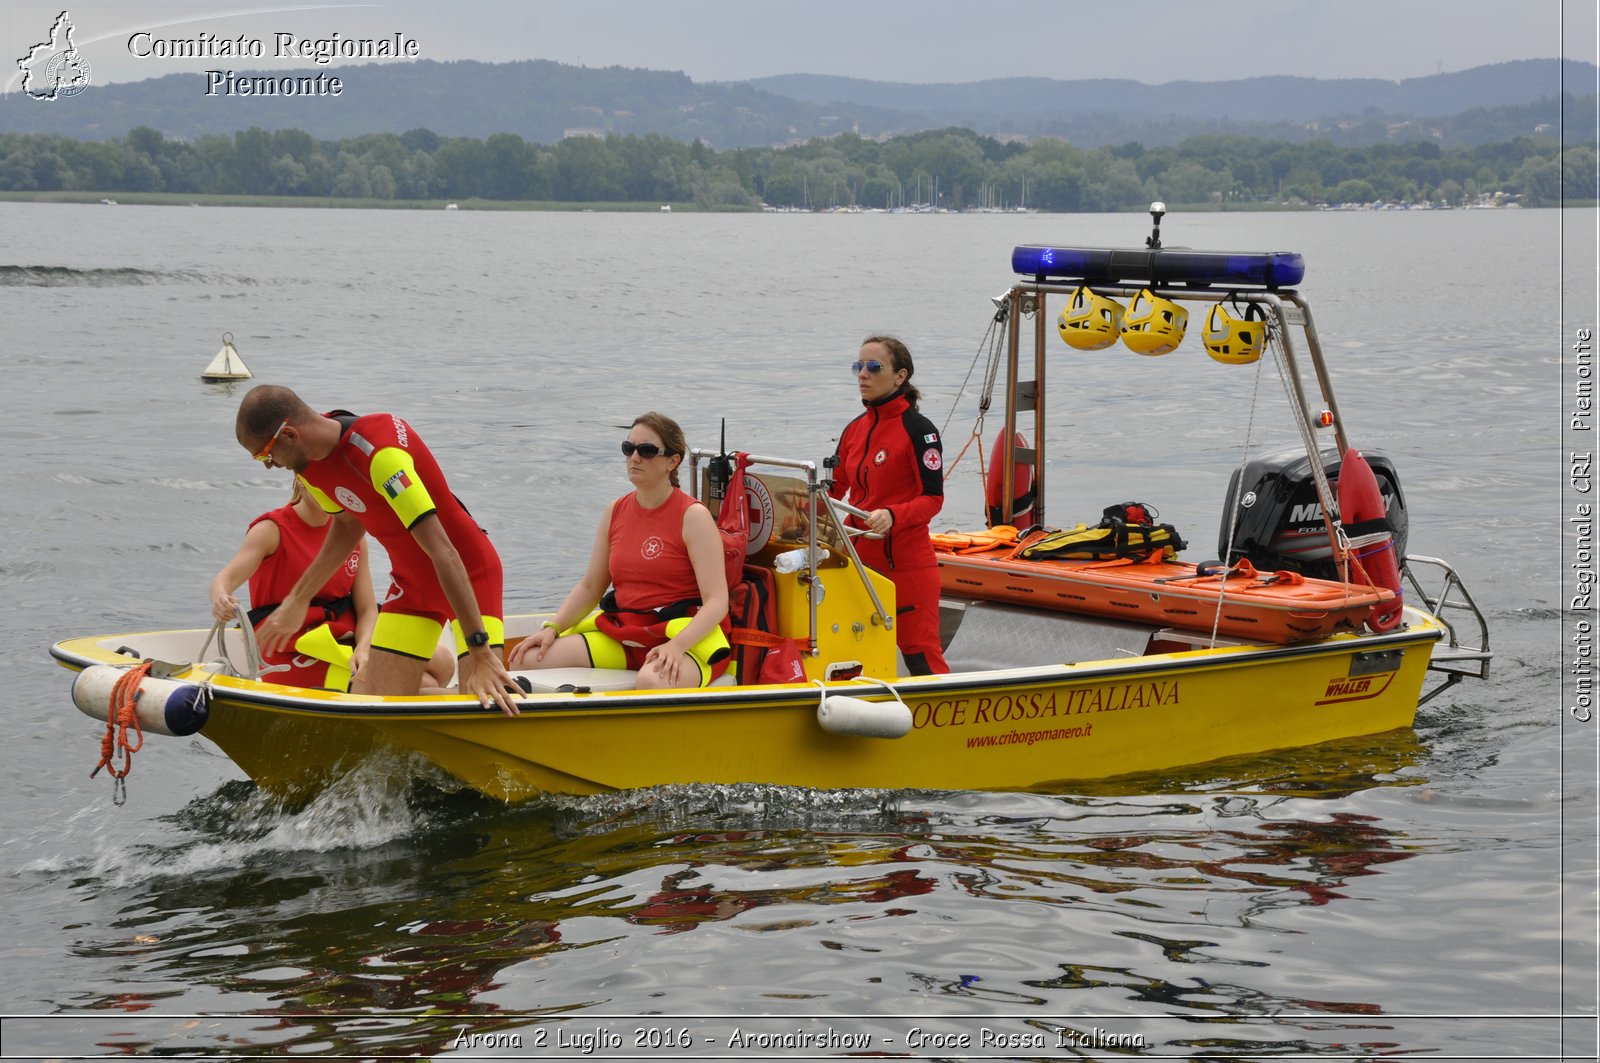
<point x="1279" y="519"/>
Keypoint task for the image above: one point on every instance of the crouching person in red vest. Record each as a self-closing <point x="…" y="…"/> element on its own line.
<point x="336" y="636"/>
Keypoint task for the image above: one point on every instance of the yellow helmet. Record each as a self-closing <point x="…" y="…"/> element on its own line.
<point x="1233" y="340"/>
<point x="1153" y="325"/>
<point x="1090" y="321"/>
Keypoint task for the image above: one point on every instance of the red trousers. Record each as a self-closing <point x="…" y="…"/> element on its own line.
<point x="916" y="622"/>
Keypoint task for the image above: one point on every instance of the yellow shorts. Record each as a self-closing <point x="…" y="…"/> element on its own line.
<point x="418" y="636"/>
<point x="710" y="654"/>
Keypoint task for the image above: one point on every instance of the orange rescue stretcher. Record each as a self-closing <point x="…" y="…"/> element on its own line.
<point x="1238" y="601"/>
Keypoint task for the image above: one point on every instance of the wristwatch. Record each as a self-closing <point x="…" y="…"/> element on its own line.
<point x="478" y="638"/>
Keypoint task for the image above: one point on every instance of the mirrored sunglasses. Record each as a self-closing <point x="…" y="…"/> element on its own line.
<point x="871" y="367"/>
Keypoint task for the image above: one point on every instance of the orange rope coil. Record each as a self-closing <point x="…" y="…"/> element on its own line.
<point x="120" y="718"/>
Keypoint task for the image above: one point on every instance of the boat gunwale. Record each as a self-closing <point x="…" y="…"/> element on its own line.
<point x="279" y="698"/>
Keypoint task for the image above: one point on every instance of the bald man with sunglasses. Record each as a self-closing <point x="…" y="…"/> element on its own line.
<point x="374" y="475"/>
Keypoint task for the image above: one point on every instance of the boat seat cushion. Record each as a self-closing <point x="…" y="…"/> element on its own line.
<point x="595" y="680"/>
<point x="546" y="680"/>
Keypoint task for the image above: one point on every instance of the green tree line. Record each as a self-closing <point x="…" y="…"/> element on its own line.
<point x="950" y="168"/>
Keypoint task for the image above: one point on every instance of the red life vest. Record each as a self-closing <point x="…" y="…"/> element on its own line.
<point x="298" y="543"/>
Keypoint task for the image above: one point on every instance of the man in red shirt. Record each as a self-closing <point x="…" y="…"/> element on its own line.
<point x="374" y="474"/>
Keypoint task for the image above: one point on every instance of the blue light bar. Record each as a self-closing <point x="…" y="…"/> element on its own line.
<point x="1166" y="266"/>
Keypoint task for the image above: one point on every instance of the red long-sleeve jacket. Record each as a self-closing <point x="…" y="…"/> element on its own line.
<point x="891" y="458"/>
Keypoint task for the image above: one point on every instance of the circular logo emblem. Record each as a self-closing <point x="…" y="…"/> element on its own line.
<point x="68" y="72"/>
<point x="1248" y="500"/>
<point x="349" y="500"/>
<point x="880" y="457"/>
<point x="652" y="548"/>
<point x="758" y="501"/>
<point x="933" y="460"/>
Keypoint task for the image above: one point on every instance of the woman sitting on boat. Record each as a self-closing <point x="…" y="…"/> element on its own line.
<point x="890" y="462"/>
<point x="659" y="550"/>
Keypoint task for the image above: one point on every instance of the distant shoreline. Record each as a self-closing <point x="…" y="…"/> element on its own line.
<point x="187" y="199"/>
<point x="180" y="199"/>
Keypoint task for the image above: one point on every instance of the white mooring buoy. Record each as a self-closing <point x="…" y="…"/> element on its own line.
<point x="227" y="365"/>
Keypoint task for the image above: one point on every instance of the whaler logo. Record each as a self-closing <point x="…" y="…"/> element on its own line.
<point x="54" y="69"/>
<point x="1347" y="688"/>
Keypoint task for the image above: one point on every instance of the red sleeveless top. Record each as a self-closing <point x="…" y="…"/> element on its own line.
<point x="650" y="564"/>
<point x="298" y="543"/>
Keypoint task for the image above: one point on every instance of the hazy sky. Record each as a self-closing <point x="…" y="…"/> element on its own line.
<point x="904" y="40"/>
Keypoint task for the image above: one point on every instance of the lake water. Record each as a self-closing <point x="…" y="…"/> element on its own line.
<point x="1429" y="893"/>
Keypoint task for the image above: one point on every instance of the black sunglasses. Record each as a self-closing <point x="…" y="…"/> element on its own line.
<point x="645" y="450"/>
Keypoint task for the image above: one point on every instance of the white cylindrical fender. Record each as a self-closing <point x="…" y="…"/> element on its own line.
<point x="165" y="706"/>
<point x="841" y="714"/>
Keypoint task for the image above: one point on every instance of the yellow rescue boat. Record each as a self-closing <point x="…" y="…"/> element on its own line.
<point x="1041" y="694"/>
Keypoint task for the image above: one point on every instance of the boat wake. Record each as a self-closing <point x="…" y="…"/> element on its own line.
<point x="66" y="277"/>
<point x="378" y="804"/>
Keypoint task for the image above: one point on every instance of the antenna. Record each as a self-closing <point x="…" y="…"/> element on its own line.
<point x="719" y="470"/>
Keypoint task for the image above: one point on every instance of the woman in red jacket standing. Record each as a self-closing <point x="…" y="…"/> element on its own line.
<point x="891" y="464"/>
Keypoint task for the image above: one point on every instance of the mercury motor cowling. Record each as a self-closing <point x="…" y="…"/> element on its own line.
<point x="1279" y="519"/>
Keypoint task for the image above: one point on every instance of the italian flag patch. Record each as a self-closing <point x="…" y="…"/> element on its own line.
<point x="397" y="483"/>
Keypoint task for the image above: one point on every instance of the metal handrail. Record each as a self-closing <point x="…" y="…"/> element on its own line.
<point x="1466" y="653"/>
<point x="854" y="511"/>
<point x="815" y="489"/>
<point x="1287" y="307"/>
<point x="834" y="508"/>
<point x="1459" y="659"/>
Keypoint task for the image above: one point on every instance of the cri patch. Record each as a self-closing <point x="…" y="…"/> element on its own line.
<point x="349" y="499"/>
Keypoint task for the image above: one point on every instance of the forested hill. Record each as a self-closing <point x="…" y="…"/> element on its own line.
<point x="543" y="101"/>
<point x="1260" y="99"/>
<point x="538" y="100"/>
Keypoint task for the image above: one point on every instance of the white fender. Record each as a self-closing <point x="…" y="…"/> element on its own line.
<point x="164" y="706"/>
<point x="841" y="714"/>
